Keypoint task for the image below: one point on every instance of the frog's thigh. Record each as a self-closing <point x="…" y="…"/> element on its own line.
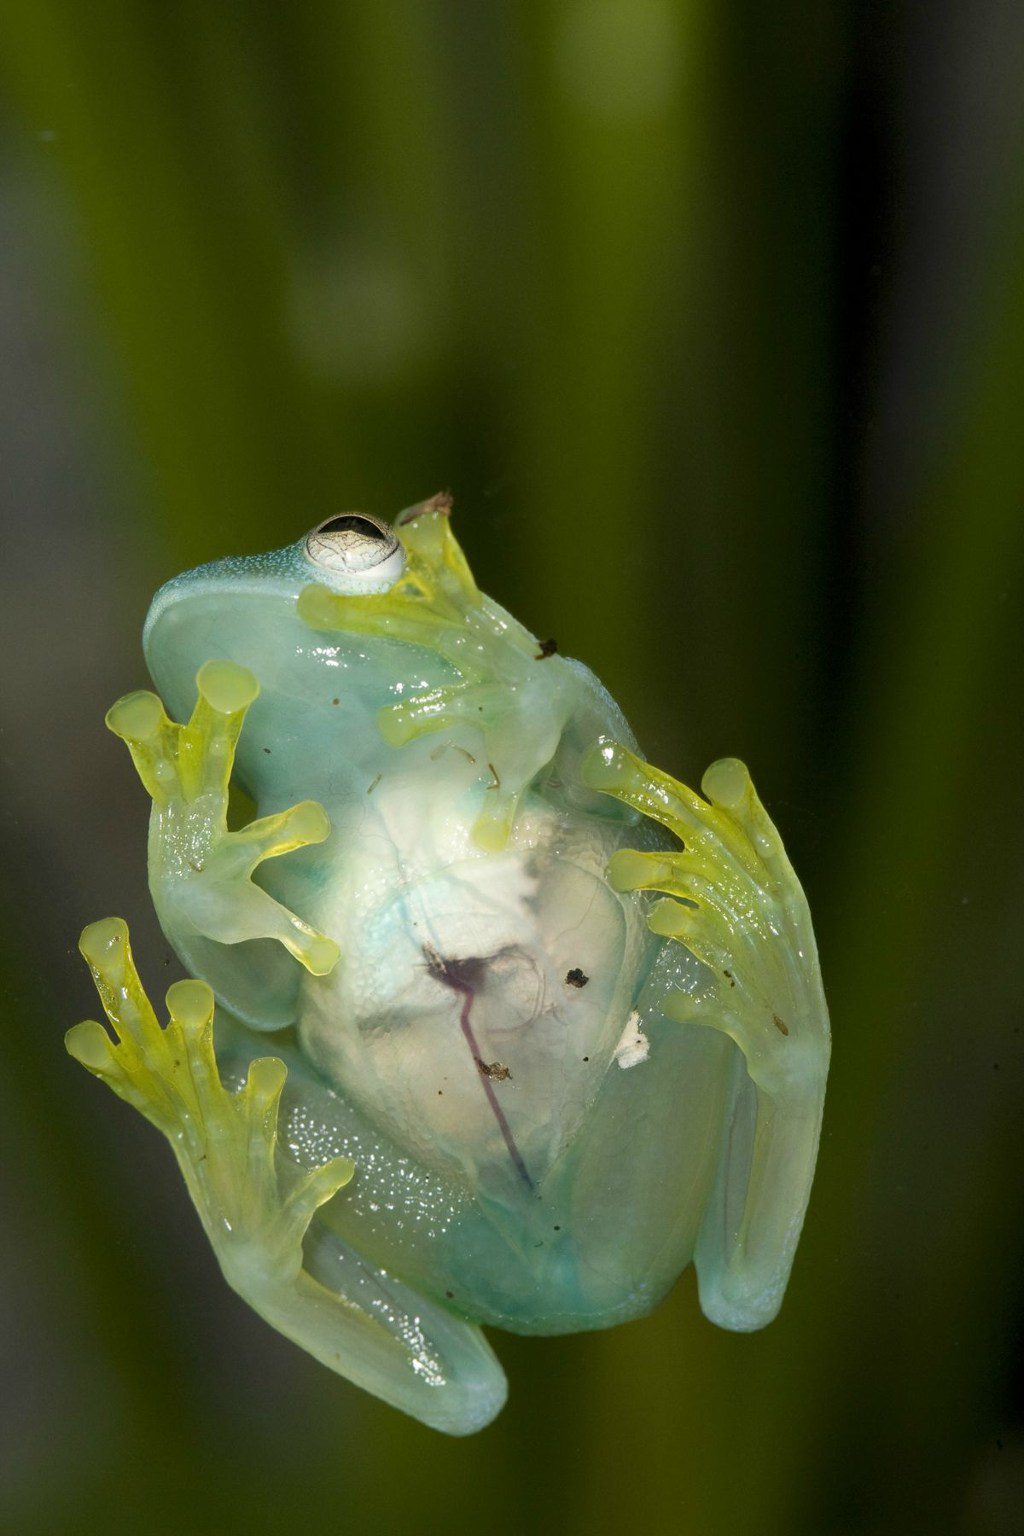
<point x="756" y="1208"/>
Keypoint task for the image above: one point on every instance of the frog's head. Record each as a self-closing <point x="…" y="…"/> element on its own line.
<point x="268" y="612"/>
<point x="383" y="633"/>
<point x="221" y="609"/>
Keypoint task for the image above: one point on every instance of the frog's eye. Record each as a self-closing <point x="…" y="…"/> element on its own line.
<point x="362" y="553"/>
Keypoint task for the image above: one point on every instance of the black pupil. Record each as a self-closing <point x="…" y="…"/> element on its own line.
<point x="350" y="522"/>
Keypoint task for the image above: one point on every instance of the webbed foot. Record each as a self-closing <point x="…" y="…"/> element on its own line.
<point x="258" y="1207"/>
<point x="224" y="1142"/>
<point x="733" y="899"/>
<point x="200" y="872"/>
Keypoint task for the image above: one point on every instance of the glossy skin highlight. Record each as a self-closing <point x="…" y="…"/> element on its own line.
<point x="510" y="1026"/>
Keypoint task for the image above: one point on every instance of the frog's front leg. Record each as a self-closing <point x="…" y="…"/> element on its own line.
<point x="200" y="873"/>
<point x="353" y="1317"/>
<point x="733" y="900"/>
<point x="513" y="695"/>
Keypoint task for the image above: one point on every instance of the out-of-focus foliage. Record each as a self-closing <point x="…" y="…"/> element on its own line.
<point x="712" y="316"/>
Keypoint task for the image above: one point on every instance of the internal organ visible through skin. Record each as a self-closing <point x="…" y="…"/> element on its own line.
<point x="464" y="978"/>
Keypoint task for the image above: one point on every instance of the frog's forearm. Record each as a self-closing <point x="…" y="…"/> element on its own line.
<point x="200" y="873"/>
<point x="257" y="1213"/>
<point x="732" y="899"/>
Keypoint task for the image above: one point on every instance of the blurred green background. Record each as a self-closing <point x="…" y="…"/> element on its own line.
<point x="712" y="317"/>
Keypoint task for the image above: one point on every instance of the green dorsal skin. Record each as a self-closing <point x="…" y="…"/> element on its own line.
<point x="510" y="1026"/>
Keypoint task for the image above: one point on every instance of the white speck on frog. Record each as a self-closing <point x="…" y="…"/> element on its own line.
<point x="633" y="1046"/>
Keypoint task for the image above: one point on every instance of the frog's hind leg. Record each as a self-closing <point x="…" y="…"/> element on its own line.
<point x="200" y="873"/>
<point x="258" y="1210"/>
<point x="732" y="898"/>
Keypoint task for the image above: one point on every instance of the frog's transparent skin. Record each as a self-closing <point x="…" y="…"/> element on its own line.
<point x="510" y="1026"/>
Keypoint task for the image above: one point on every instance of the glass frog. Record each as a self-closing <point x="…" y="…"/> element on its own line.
<point x="510" y="1026"/>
